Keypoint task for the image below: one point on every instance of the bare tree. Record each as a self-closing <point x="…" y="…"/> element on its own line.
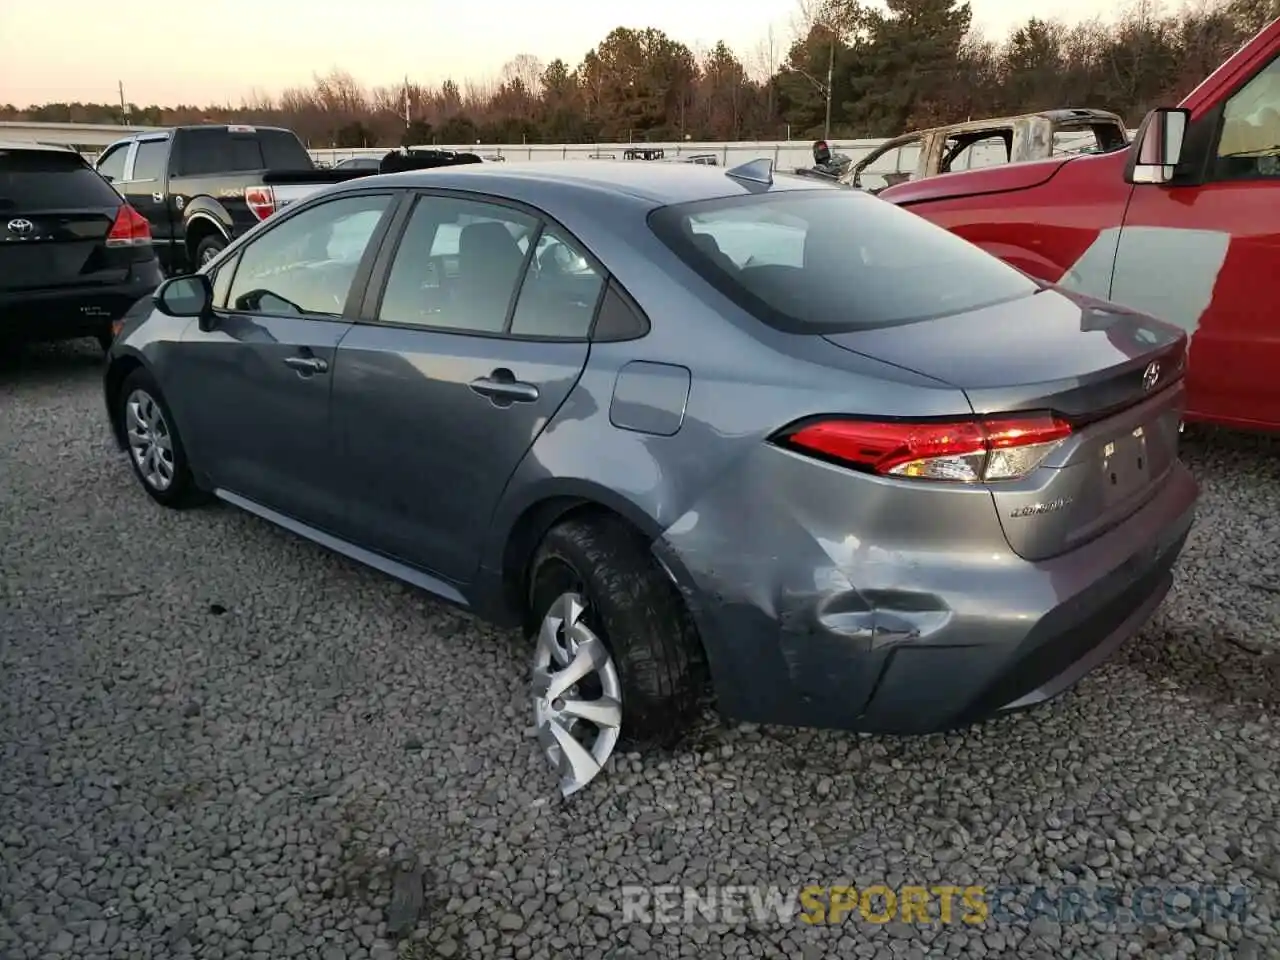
<point x="526" y="68"/>
<point x="763" y="62"/>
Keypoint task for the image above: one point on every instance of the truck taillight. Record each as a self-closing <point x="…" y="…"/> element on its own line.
<point x="130" y="229"/>
<point x="967" y="451"/>
<point x="261" y="201"/>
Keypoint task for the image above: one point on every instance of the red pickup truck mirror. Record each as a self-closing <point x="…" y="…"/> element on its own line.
<point x="1158" y="146"/>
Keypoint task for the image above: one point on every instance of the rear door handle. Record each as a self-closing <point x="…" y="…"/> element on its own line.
<point x="503" y="389"/>
<point x="306" y="365"/>
<point x="158" y="197"/>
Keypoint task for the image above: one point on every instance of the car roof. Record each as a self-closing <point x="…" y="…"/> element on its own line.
<point x="656" y="184"/>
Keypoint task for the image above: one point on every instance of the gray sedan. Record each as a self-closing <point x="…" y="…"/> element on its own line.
<point x="683" y="425"/>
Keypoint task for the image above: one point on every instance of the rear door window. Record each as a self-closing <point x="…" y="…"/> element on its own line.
<point x="149" y="161"/>
<point x="830" y="261"/>
<point x="458" y="266"/>
<point x="204" y="151"/>
<point x="973" y="151"/>
<point x="50" y="179"/>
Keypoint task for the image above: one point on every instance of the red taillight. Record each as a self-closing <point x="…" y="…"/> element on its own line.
<point x="261" y="201"/>
<point x="968" y="451"/>
<point x="130" y="229"/>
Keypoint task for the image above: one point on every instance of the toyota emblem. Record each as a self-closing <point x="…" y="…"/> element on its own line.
<point x="20" y="227"/>
<point x="1151" y="376"/>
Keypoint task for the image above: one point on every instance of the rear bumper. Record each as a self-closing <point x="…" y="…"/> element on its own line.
<point x="926" y="641"/>
<point x="65" y="312"/>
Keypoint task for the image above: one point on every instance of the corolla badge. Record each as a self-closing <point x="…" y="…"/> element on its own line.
<point x="1151" y="376"/>
<point x="1039" y="509"/>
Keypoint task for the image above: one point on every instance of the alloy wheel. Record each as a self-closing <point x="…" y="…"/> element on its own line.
<point x="577" y="694"/>
<point x="150" y="440"/>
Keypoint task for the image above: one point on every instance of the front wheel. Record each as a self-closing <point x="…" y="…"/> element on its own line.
<point x="207" y="249"/>
<point x="156" y="453"/>
<point x="616" y="654"/>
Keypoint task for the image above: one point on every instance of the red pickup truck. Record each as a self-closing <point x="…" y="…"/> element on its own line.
<point x="1180" y="225"/>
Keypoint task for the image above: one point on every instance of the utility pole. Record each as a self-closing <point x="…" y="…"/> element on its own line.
<point x="831" y="69"/>
<point x="407" y="121"/>
<point x="826" y="89"/>
<point x="124" y="109"/>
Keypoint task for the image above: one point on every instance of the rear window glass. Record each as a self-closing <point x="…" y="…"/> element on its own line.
<point x="149" y="161"/>
<point x="826" y="261"/>
<point x="45" y="180"/>
<point x="218" y="150"/>
<point x="1088" y="138"/>
<point x="283" y="151"/>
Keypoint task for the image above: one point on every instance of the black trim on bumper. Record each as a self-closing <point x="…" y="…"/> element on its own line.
<point x="63" y="313"/>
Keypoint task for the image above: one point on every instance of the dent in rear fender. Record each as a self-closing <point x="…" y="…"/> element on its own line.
<point x="805" y="578"/>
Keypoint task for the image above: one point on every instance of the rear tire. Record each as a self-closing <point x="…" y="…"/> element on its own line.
<point x="636" y="611"/>
<point x="155" y="449"/>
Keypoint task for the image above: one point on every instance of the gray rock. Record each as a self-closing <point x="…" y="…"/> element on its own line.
<point x="280" y="818"/>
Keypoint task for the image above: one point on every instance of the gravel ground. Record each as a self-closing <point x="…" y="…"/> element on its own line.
<point x="217" y="740"/>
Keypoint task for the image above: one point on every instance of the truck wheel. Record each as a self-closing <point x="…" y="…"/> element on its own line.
<point x="208" y="248"/>
<point x="610" y="624"/>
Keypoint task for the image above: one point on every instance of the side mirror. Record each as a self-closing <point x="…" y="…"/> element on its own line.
<point x="190" y="296"/>
<point x="1157" y="148"/>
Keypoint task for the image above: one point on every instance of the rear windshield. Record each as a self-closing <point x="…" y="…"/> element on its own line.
<point x="48" y="180"/>
<point x="1088" y="138"/>
<point x="211" y="150"/>
<point x="826" y="261"/>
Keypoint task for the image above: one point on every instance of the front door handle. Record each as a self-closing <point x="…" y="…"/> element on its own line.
<point x="503" y="389"/>
<point x="306" y="366"/>
<point x="158" y="197"/>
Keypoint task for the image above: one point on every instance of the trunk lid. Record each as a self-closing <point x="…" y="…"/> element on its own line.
<point x="1114" y="374"/>
<point x="55" y="214"/>
<point x="62" y="247"/>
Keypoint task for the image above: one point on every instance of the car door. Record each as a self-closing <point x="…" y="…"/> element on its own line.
<point x="144" y="189"/>
<point x="1203" y="255"/>
<point x="477" y="333"/>
<point x="256" y="384"/>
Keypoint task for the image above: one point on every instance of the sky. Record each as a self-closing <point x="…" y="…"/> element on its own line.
<point x="223" y="50"/>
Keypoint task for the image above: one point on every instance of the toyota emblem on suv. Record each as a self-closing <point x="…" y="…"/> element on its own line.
<point x="1151" y="376"/>
<point x="20" y="227"/>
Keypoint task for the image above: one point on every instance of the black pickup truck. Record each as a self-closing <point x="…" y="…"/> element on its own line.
<point x="202" y="186"/>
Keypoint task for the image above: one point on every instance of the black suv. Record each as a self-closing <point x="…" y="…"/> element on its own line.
<point x="74" y="257"/>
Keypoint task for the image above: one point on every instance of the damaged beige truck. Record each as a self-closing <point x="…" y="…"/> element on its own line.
<point x="985" y="143"/>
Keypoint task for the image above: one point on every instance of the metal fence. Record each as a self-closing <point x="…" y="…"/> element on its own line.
<point x="785" y="154"/>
